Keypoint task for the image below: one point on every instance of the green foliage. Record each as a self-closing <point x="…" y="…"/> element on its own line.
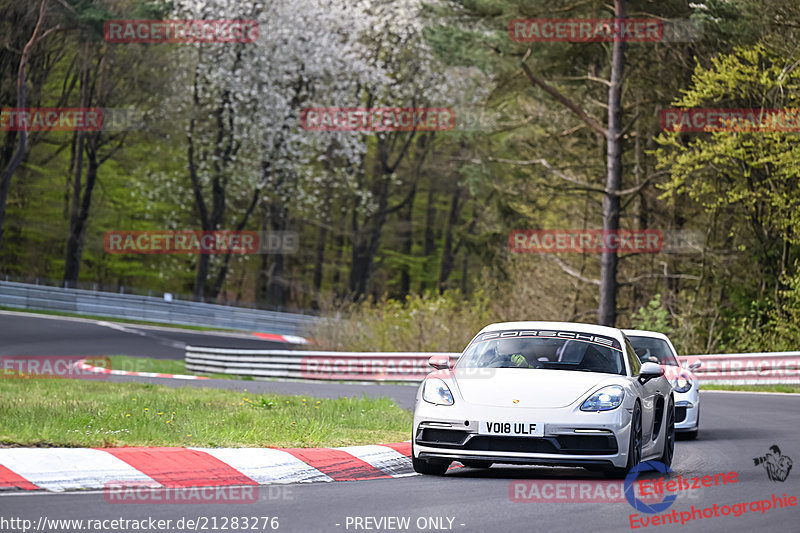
<point x="756" y="173"/>
<point x="768" y="327"/>
<point x="740" y="189"/>
<point x="426" y="322"/>
<point x="748" y="184"/>
<point x="652" y="317"/>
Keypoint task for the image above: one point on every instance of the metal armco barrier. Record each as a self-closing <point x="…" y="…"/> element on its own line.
<point x="748" y="368"/>
<point x="744" y="369"/>
<point x="320" y="365"/>
<point x="113" y="305"/>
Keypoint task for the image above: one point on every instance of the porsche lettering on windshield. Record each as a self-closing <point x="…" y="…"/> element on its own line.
<point x="545" y="349"/>
<point x="606" y="341"/>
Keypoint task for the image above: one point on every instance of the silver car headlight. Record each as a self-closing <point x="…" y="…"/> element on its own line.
<point x="437" y="392"/>
<point x="605" y="399"/>
<point x="682" y="383"/>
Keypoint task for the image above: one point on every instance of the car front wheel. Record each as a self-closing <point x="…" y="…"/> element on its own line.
<point x="430" y="468"/>
<point x="669" y="443"/>
<point x="634" y="445"/>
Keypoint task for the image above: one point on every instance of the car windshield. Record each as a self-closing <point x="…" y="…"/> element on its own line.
<point x="544" y="350"/>
<point x="653" y="350"/>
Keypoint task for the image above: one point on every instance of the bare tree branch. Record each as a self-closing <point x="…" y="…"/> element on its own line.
<point x="637" y="279"/>
<point x="588" y="77"/>
<point x="572" y="272"/>
<point x="575" y="181"/>
<point x="630" y="124"/>
<point x="566" y="102"/>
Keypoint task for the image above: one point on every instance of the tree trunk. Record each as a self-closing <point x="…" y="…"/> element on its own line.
<point x="277" y="287"/>
<point x="607" y="312"/>
<point x="16" y="160"/>
<point x="339" y="289"/>
<point x="365" y="246"/>
<point x="79" y="223"/>
<point x="319" y="264"/>
<point x="77" y="219"/>
<point x="429" y="243"/>
<point x="223" y="270"/>
<point x="447" y="253"/>
<point x="406" y="234"/>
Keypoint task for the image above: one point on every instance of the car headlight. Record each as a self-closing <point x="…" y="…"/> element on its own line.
<point x="437" y="392"/>
<point x="605" y="399"/>
<point x="682" y="384"/>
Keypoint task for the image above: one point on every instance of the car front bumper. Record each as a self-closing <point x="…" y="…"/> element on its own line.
<point x="686" y="416"/>
<point x="687" y="409"/>
<point x="570" y="437"/>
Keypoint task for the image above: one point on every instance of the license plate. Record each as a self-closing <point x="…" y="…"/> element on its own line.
<point x="511" y="429"/>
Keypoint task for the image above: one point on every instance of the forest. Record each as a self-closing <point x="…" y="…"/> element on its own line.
<point x="410" y="230"/>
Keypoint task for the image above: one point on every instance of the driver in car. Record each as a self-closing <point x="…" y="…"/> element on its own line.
<point x="520" y="361"/>
<point x="512" y="351"/>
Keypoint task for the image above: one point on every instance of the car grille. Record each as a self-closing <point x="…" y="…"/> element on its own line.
<point x="563" y="444"/>
<point x="680" y="414"/>
<point x="446" y="437"/>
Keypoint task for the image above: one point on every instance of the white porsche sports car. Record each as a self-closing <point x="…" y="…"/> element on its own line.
<point x="548" y="393"/>
<point x="656" y="347"/>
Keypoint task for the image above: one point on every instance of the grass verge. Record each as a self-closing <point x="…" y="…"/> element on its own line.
<point x="754" y="388"/>
<point x="84" y="413"/>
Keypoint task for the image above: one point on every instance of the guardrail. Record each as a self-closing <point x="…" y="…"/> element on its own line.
<point x="767" y="368"/>
<point x="318" y="365"/>
<point x="745" y="369"/>
<point x="113" y="305"/>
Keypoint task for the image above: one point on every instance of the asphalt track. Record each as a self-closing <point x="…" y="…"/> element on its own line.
<point x="735" y="428"/>
<point x="33" y="334"/>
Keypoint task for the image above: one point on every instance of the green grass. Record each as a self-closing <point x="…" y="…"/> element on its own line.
<point x="754" y="388"/>
<point x="118" y="320"/>
<point x="97" y="413"/>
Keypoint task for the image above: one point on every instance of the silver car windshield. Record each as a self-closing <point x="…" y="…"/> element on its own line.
<point x="652" y="350"/>
<point x="543" y="353"/>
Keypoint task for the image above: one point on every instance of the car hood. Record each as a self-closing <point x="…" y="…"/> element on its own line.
<point x="504" y="387"/>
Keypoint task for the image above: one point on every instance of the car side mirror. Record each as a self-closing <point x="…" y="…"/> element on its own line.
<point x="694" y="366"/>
<point x="650" y="371"/>
<point x="440" y="362"/>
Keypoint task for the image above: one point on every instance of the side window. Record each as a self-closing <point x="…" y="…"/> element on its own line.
<point x="633" y="359"/>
